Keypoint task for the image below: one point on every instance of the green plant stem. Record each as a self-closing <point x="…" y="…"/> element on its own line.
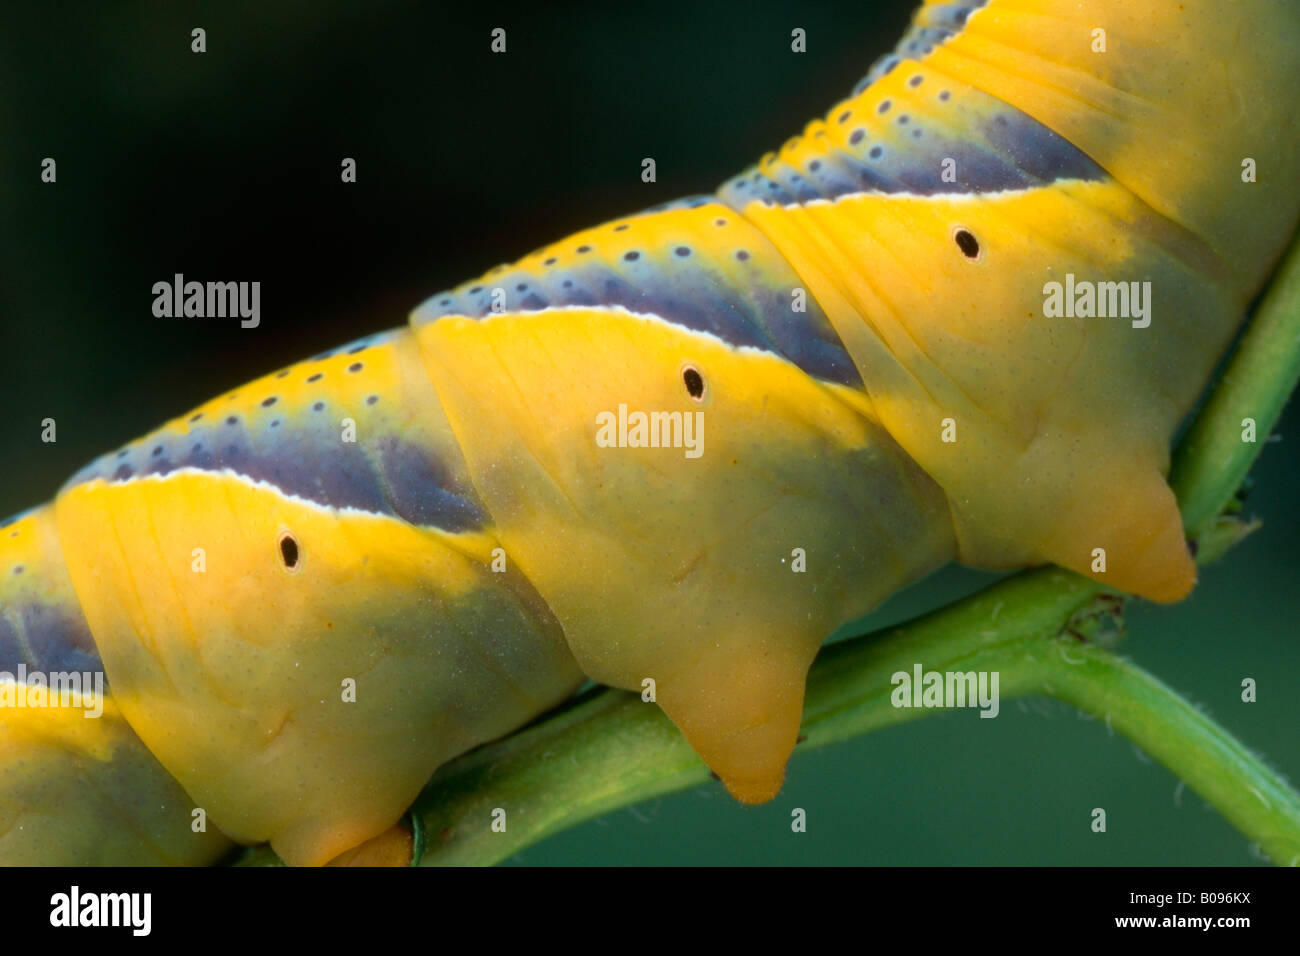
<point x="1237" y="783"/>
<point x="611" y="750"/>
<point x="1212" y="460"/>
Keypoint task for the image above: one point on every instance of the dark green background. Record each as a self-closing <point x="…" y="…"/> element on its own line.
<point x="226" y="166"/>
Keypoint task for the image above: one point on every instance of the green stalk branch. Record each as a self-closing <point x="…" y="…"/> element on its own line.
<point x="1212" y="460"/>
<point x="1249" y="795"/>
<point x="611" y="750"/>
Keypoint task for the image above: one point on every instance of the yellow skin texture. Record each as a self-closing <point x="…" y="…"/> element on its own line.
<point x="1063" y="425"/>
<point x="1052" y="458"/>
<point x="628" y="564"/>
<point x="87" y="792"/>
<point x="705" y="602"/>
<point x="1184" y="92"/>
<point x="234" y="677"/>
<point x="78" y="790"/>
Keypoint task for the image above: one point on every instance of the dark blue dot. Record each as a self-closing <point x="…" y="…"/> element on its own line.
<point x="815" y="165"/>
<point x="195" y="418"/>
<point x="232" y="420"/>
<point x="620" y="227"/>
<point x="549" y="262"/>
<point x="915" y="81"/>
<point x="282" y="374"/>
<point x="123" y="453"/>
<point x="268" y="402"/>
<point x="316" y="378"/>
<point x="875" y="152"/>
<point x="158" y="450"/>
<point x="476" y="290"/>
<point x="632" y="256"/>
<point x="742" y="255"/>
<point x="568" y="283"/>
<point x="359" y="348"/>
<point x="18" y="569"/>
<point x="275" y="423"/>
<point x="371" y="399"/>
<point x="198" y="447"/>
<point x="857" y="136"/>
<point x="884" y="106"/>
<point x="319" y="406"/>
<point x="904" y="120"/>
<point x="844" y="117"/>
<point x="682" y="251"/>
<point x="719" y="222"/>
<point x="944" y="95"/>
<point x="584" y="249"/>
<point x="445" y="302"/>
<point x="521" y="287"/>
<point x="355" y="367"/>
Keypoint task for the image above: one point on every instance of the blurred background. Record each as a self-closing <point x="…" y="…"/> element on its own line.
<point x="225" y="166"/>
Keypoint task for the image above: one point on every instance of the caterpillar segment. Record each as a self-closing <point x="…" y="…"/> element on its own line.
<point x="302" y="627"/>
<point x="77" y="786"/>
<point x="705" y="603"/>
<point x="672" y="452"/>
<point x="1115" y="158"/>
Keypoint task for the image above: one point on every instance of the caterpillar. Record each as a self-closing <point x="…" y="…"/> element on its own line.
<point x="959" y="318"/>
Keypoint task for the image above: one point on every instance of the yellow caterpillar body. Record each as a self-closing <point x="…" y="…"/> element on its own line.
<point x="959" y="318"/>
